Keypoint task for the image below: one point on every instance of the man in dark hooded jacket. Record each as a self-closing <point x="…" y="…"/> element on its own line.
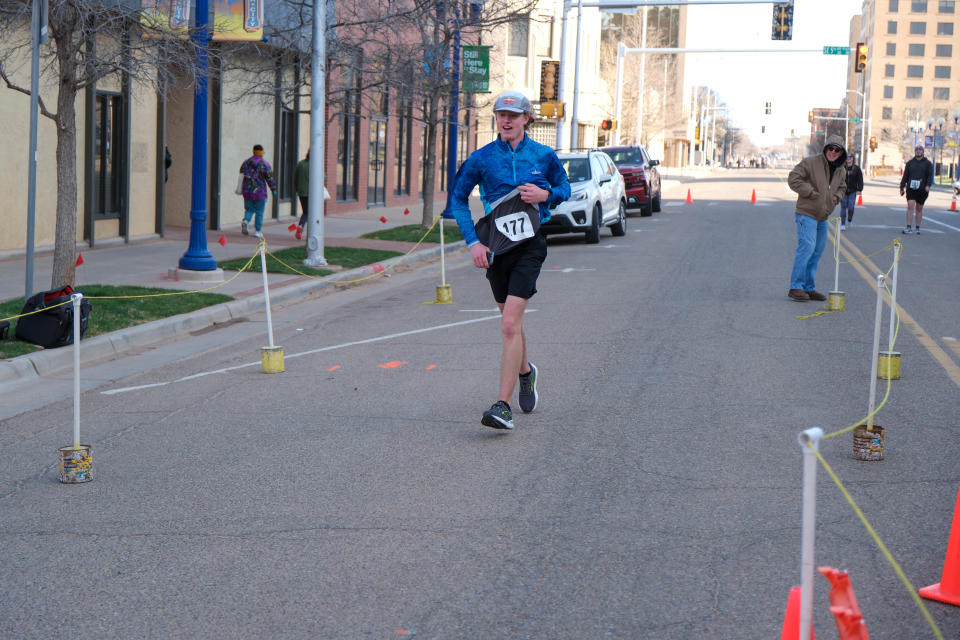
<point x="820" y="183"/>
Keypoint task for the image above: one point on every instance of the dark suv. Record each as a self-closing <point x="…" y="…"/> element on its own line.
<point x="640" y="177"/>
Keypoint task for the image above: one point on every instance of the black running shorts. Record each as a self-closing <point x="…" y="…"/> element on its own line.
<point x="920" y="195"/>
<point x="515" y="273"/>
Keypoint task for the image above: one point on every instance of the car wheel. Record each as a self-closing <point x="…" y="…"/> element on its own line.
<point x="619" y="227"/>
<point x="647" y="209"/>
<point x="593" y="233"/>
<point x="656" y="203"/>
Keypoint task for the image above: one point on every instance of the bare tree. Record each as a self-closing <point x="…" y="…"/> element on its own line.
<point x="91" y="41"/>
<point x="399" y="48"/>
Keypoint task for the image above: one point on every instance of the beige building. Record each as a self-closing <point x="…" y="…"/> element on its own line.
<point x="911" y="76"/>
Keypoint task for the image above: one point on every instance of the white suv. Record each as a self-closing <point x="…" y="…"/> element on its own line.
<point x="597" y="198"/>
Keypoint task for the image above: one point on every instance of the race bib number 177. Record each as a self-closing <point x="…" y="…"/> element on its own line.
<point x="515" y="226"/>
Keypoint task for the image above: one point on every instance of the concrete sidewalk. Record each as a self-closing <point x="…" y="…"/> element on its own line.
<point x="152" y="262"/>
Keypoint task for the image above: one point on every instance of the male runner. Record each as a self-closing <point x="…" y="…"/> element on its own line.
<point x="512" y="161"/>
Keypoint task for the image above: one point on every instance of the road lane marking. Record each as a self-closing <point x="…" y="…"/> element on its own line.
<point x="942" y="224"/>
<point x="953" y="344"/>
<point x="952" y="370"/>
<point x="306" y="353"/>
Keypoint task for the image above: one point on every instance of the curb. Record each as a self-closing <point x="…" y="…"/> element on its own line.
<point x="117" y="343"/>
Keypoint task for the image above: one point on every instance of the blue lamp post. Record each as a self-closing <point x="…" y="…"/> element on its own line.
<point x="197" y="256"/>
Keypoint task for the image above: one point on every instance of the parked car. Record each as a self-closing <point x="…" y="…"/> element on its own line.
<point x="640" y="176"/>
<point x="597" y="198"/>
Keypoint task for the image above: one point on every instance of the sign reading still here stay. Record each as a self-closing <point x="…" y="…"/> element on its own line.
<point x="476" y="69"/>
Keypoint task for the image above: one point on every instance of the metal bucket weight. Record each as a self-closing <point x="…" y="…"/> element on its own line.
<point x="868" y="445"/>
<point x="271" y="359"/>
<point x="836" y="300"/>
<point x="444" y="294"/>
<point x="76" y="464"/>
<point x="888" y="359"/>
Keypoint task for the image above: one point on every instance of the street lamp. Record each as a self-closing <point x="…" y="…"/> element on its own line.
<point x="916" y="125"/>
<point x="863" y="101"/>
<point x="956" y="123"/>
<point x="934" y="126"/>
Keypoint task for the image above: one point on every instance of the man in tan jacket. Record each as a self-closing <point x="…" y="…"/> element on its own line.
<point x="820" y="182"/>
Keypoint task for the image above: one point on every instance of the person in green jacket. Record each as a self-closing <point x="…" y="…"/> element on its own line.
<point x="301" y="179"/>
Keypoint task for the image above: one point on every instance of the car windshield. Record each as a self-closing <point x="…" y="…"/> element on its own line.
<point x="578" y="170"/>
<point x="626" y="156"/>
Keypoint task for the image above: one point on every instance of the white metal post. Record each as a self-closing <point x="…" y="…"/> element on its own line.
<point x="621" y="50"/>
<point x="561" y="83"/>
<point x="876" y="351"/>
<point x="643" y="66"/>
<point x="893" y="298"/>
<point x="836" y="259"/>
<point x="266" y="294"/>
<point x="809" y="443"/>
<point x="76" y="298"/>
<point x="318" y="154"/>
<point x="574" y="138"/>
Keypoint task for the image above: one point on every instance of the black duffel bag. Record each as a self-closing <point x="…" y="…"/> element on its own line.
<point x="52" y="326"/>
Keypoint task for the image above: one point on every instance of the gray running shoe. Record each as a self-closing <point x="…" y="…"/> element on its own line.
<point x="528" y="390"/>
<point x="907" y="230"/>
<point x="498" y="416"/>
<point x="243" y="228"/>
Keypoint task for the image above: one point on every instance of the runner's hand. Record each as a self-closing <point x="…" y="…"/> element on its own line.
<point x="532" y="194"/>
<point x="479" y="253"/>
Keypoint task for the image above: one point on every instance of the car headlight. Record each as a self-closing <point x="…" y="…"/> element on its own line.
<point x="580" y="195"/>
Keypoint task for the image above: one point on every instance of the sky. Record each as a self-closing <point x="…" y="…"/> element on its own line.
<point x="793" y="82"/>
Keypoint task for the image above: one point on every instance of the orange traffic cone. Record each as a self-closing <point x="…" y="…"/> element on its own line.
<point x="753" y="197"/>
<point x="791" y="619"/>
<point x="689" y="199"/>
<point x="953" y="203"/>
<point x="860" y="200"/>
<point x="948" y="589"/>
<point x="843" y="605"/>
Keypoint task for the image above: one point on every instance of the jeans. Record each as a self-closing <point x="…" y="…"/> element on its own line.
<point x="254" y="207"/>
<point x="811" y="240"/>
<point x="847" y="204"/>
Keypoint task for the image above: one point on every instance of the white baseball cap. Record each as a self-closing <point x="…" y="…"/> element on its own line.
<point x="513" y="101"/>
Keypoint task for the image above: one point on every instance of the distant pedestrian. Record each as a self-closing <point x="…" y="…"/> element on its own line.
<point x="916" y="182"/>
<point x="854" y="188"/>
<point x="820" y="183"/>
<point x="302" y="182"/>
<point x="256" y="177"/>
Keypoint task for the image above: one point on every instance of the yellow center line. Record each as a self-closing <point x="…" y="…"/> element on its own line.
<point x="953" y="344"/>
<point x="941" y="356"/>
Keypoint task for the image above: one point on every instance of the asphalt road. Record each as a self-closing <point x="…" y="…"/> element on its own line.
<point x="654" y="494"/>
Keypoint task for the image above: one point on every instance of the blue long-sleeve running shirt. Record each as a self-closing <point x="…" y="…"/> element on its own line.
<point x="499" y="169"/>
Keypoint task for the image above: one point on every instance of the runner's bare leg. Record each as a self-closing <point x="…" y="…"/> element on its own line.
<point x="514" y="355"/>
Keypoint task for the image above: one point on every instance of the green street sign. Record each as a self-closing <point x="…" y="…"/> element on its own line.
<point x="836" y="51"/>
<point x="854" y="119"/>
<point x="476" y="69"/>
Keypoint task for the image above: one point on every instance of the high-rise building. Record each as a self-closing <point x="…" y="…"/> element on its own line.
<point x="909" y="79"/>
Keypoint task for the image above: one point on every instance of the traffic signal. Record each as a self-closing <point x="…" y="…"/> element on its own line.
<point x="873" y="143"/>
<point x="549" y="77"/>
<point x="810" y="116"/>
<point x="696" y="135"/>
<point x="763" y="128"/>
<point x="782" y="21"/>
<point x="767" y="108"/>
<point x="608" y="125"/>
<point x="861" y="57"/>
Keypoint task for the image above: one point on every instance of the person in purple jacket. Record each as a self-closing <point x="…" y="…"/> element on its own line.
<point x="257" y="176"/>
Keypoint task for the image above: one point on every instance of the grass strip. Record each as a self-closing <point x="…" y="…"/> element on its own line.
<point x="346" y="257"/>
<point x="114" y="314"/>
<point x="413" y="233"/>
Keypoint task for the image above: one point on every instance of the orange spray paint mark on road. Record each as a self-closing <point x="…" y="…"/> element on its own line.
<point x="392" y="365"/>
<point x="433" y="366"/>
<point x="334" y="367"/>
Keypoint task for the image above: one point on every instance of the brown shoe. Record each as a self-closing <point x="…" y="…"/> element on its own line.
<point x="799" y="295"/>
<point x="815" y="295"/>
